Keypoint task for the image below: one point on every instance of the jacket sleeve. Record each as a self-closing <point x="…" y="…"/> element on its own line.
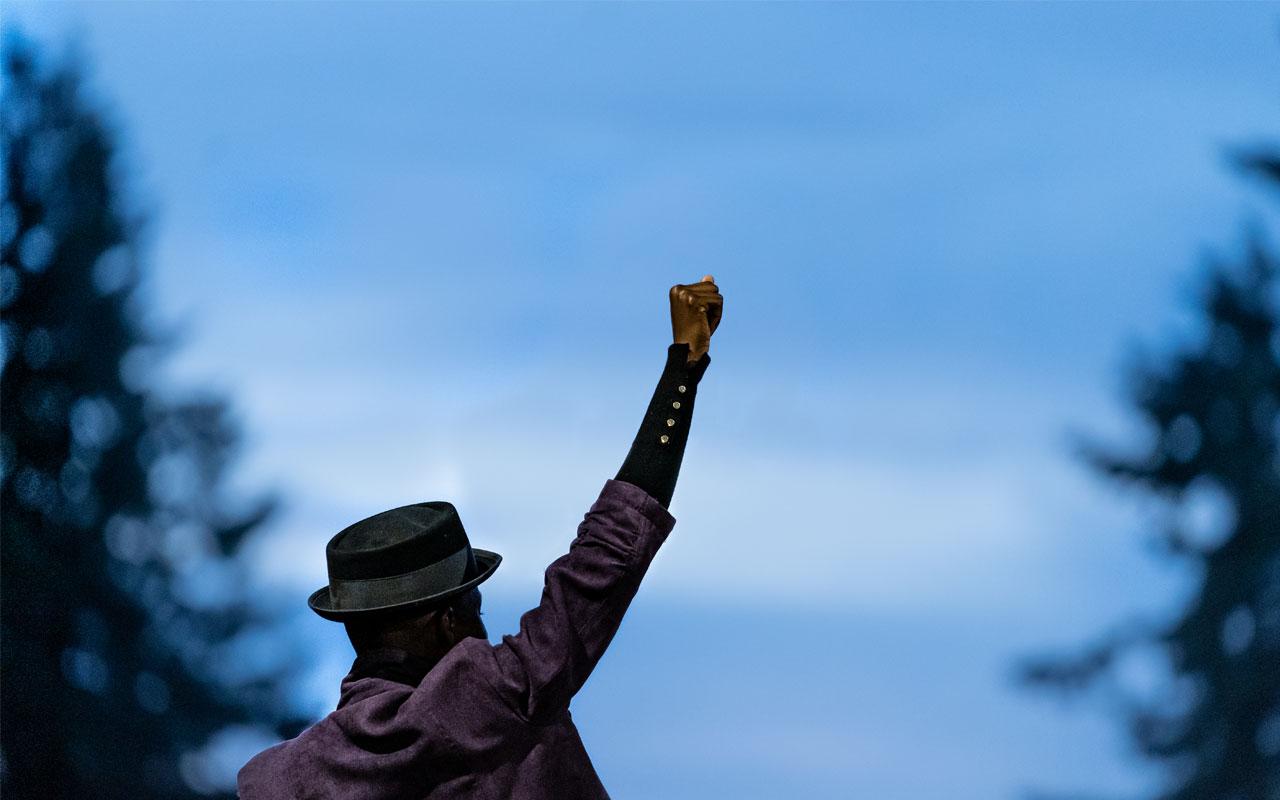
<point x="537" y="671"/>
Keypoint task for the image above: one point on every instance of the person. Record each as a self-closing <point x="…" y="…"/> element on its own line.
<point x="431" y="709"/>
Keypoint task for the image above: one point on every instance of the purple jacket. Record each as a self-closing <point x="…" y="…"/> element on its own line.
<point x="487" y="721"/>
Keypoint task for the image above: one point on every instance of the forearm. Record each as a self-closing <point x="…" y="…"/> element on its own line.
<point x="653" y="463"/>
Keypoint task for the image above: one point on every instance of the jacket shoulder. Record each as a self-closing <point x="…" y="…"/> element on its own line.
<point x="260" y="776"/>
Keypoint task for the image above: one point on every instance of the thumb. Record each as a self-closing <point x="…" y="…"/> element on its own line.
<point x="708" y="279"/>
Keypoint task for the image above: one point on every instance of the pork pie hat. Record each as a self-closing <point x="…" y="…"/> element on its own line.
<point x="400" y="560"/>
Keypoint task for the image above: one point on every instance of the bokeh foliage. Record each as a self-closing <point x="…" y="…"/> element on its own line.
<point x="1211" y="716"/>
<point x="122" y="598"/>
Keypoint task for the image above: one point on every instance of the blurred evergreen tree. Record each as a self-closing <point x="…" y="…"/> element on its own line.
<point x="1214" y="466"/>
<point x="121" y="600"/>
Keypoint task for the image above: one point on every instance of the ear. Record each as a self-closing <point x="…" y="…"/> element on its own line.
<point x="447" y="625"/>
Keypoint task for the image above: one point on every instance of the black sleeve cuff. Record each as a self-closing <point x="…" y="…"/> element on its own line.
<point x="653" y="463"/>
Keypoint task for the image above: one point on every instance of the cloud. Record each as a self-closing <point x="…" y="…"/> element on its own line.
<point x="958" y="497"/>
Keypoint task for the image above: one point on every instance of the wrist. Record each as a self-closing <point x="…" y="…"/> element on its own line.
<point x="681" y="358"/>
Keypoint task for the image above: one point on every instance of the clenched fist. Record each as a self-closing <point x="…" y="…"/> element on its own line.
<point x="695" y="314"/>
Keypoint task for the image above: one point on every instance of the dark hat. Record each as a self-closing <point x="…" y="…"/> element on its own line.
<point x="398" y="560"/>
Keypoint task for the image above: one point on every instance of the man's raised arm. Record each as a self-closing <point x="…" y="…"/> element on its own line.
<point x="537" y="671"/>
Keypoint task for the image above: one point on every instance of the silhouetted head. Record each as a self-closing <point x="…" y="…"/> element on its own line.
<point x="427" y="633"/>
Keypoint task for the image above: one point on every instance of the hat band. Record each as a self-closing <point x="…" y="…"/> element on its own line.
<point x="357" y="594"/>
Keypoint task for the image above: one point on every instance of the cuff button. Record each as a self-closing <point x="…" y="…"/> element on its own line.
<point x="680" y="389"/>
<point x="676" y="404"/>
<point x="670" y="422"/>
<point x="664" y="438"/>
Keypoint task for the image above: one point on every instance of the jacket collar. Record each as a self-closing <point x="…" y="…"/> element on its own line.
<point x="387" y="663"/>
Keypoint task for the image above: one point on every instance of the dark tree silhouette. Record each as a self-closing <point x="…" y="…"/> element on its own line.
<point x="1215" y="467"/>
<point x="121" y="598"/>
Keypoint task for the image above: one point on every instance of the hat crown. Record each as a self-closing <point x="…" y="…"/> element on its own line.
<point x="397" y="541"/>
<point x="398" y="560"/>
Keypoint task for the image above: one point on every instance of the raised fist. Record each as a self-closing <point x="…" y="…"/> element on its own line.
<point x="695" y="314"/>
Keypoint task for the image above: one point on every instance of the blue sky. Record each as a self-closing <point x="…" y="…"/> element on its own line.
<point x="426" y="249"/>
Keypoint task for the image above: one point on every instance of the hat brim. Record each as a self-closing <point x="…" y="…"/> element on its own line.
<point x="322" y="603"/>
